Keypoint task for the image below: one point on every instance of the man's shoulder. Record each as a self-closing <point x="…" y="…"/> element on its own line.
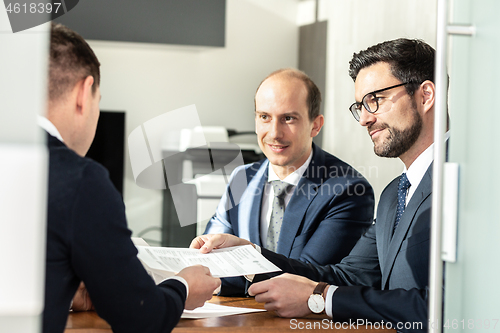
<point x="67" y="167"/>
<point x="388" y="193"/>
<point x="251" y="169"/>
<point x="330" y="166"/>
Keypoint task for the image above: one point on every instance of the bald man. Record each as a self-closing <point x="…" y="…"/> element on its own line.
<point x="300" y="201"/>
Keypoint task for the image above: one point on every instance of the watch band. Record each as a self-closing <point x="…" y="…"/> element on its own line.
<point x="320" y="287"/>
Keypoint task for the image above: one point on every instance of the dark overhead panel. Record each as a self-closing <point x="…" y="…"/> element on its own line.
<point x="181" y="22"/>
<point x="312" y="59"/>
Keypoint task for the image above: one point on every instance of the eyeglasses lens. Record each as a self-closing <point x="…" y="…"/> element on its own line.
<point x="356" y="110"/>
<point x="370" y="103"/>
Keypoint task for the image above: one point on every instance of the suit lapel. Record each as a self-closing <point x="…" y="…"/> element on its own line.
<point x="384" y="233"/>
<point x="303" y="195"/>
<point x="423" y="191"/>
<point x="250" y="204"/>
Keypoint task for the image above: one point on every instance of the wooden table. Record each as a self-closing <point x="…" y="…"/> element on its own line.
<point x="90" y="322"/>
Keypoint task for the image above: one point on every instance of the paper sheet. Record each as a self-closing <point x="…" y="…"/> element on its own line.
<point x="210" y="310"/>
<point x="233" y="261"/>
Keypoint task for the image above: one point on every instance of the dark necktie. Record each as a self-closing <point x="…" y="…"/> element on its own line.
<point x="403" y="186"/>
<point x="278" y="210"/>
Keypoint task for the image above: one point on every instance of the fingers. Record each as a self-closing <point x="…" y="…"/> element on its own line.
<point x="217" y="283"/>
<point x="196" y="243"/>
<point x="207" y="243"/>
<point x="259" y="288"/>
<point x="206" y="270"/>
<point x="286" y="294"/>
<point x="204" y="243"/>
<point x="81" y="300"/>
<point x="201" y="285"/>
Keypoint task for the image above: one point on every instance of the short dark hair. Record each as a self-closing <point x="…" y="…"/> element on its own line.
<point x="411" y="60"/>
<point x="71" y="60"/>
<point x="313" y="93"/>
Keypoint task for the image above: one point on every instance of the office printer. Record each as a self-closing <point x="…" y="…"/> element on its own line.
<point x="198" y="163"/>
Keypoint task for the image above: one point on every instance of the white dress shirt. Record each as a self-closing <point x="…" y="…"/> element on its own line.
<point x="49" y="127"/>
<point x="268" y="195"/>
<point x="415" y="173"/>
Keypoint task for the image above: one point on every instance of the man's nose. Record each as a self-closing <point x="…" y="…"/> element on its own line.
<point x="276" y="130"/>
<point x="366" y="118"/>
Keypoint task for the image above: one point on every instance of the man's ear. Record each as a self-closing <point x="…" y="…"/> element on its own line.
<point x="317" y="125"/>
<point x="428" y="95"/>
<point x="84" y="94"/>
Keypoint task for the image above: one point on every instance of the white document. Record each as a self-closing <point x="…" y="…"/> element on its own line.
<point x="163" y="262"/>
<point x="139" y="241"/>
<point x="210" y="310"/>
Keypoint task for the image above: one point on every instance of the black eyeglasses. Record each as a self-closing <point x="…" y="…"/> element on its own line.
<point x="370" y="102"/>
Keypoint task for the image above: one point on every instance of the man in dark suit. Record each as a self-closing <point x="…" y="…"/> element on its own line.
<point x="327" y="206"/>
<point x="385" y="277"/>
<point x="87" y="235"/>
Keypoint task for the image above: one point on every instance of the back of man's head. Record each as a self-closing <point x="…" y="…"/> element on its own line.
<point x="71" y="60"/>
<point x="411" y="60"/>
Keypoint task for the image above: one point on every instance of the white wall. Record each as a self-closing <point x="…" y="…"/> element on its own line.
<point x="355" y="25"/>
<point x="147" y="80"/>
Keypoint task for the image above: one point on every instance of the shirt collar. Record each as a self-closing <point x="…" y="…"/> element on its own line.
<point x="292" y="178"/>
<point x="417" y="169"/>
<point x="49" y="127"/>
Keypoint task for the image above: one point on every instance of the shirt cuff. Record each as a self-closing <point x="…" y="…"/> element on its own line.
<point x="180" y="279"/>
<point x="329" y="301"/>
<point x="217" y="291"/>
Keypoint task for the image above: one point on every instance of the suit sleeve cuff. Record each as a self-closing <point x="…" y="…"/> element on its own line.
<point x="180" y="279"/>
<point x="329" y="301"/>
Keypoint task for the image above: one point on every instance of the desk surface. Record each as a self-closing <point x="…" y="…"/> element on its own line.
<point x="90" y="322"/>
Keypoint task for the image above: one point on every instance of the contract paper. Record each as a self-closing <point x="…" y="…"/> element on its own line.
<point x="210" y="310"/>
<point x="163" y="262"/>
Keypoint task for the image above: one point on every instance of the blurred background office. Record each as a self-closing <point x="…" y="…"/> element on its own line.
<point x="146" y="76"/>
<point x="254" y="37"/>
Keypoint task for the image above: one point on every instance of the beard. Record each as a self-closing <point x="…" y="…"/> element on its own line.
<point x="399" y="141"/>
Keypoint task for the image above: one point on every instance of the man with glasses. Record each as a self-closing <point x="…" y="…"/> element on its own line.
<point x="300" y="201"/>
<point x="385" y="277"/>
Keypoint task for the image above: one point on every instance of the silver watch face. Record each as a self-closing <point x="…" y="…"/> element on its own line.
<point x="316" y="303"/>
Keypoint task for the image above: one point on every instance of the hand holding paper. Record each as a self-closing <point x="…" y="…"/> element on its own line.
<point x="286" y="294"/>
<point x="162" y="262"/>
<point x="201" y="285"/>
<point x="207" y="243"/>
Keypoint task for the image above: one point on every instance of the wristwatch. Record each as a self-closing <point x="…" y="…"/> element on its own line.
<point x="316" y="302"/>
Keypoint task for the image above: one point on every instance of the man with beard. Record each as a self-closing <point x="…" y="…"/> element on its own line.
<point x="385" y="276"/>
<point x="325" y="204"/>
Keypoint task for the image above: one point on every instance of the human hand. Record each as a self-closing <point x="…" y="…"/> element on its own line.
<point x="201" y="285"/>
<point x="285" y="294"/>
<point x="207" y="243"/>
<point x="81" y="300"/>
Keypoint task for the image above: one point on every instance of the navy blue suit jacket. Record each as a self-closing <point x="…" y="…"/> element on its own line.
<point x="88" y="240"/>
<point x="331" y="207"/>
<point x="385" y="277"/>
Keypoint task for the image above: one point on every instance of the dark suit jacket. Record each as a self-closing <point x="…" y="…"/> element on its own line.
<point x="384" y="277"/>
<point x="88" y="240"/>
<point x="331" y="207"/>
